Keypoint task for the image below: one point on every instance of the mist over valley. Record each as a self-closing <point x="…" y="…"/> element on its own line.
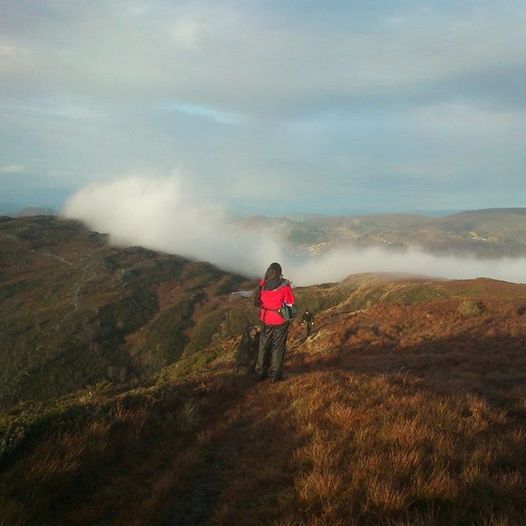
<point x="164" y="214"/>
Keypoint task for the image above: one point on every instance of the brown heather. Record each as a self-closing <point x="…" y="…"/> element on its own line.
<point x="403" y="408"/>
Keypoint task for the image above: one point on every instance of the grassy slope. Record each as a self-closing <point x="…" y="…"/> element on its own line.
<point x="75" y="311"/>
<point x="405" y="406"/>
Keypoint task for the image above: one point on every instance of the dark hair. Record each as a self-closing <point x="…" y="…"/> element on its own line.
<point x="274" y="271"/>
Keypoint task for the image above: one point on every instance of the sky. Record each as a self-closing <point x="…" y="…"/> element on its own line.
<point x="268" y="107"/>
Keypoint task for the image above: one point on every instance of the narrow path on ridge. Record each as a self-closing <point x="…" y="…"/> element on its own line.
<point x="252" y="442"/>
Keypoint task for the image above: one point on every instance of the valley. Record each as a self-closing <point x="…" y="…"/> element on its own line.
<point x="490" y="233"/>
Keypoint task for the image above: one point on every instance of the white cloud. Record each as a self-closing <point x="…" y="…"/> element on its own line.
<point x="13" y="60"/>
<point x="461" y="120"/>
<point x="11" y="168"/>
<point x="8" y="51"/>
<point x="165" y="215"/>
<point x="162" y="214"/>
<point x="187" y="33"/>
<point x="200" y="110"/>
<point x="248" y="58"/>
<point x="429" y="92"/>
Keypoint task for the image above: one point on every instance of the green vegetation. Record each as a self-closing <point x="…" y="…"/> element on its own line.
<point x="416" y="293"/>
<point x="319" y="298"/>
<point x="165" y="339"/>
<point x="471" y="308"/>
<point x="361" y="292"/>
<point x="75" y="311"/>
<point x="119" y="403"/>
<point x="207" y="327"/>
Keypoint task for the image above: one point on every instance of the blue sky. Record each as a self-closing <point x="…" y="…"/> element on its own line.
<point x="270" y="107"/>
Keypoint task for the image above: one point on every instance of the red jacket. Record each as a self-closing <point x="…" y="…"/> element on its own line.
<point x="273" y="300"/>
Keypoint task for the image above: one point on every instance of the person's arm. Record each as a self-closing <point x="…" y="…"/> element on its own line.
<point x="257" y="294"/>
<point x="288" y="296"/>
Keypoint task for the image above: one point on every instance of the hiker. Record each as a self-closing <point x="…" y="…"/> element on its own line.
<point x="247" y="351"/>
<point x="307" y="321"/>
<point x="275" y="298"/>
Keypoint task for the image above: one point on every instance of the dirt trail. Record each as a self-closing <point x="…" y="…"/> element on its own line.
<point x="194" y="505"/>
<point x="246" y="439"/>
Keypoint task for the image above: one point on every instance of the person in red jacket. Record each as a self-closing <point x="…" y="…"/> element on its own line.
<point x="273" y="293"/>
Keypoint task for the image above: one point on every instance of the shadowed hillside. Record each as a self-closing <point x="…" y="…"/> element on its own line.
<point x="404" y="407"/>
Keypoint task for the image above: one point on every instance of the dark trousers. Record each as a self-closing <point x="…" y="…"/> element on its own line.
<point x="272" y="346"/>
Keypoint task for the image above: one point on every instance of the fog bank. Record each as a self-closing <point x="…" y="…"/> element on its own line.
<point x="164" y="214"/>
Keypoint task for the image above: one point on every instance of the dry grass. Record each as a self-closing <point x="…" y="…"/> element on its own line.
<point x="404" y="454"/>
<point x="399" y="416"/>
<point x="362" y="449"/>
<point x="122" y="465"/>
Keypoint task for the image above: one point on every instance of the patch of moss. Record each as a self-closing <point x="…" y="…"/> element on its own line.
<point x="416" y="293"/>
<point x="165" y="338"/>
<point x="205" y="330"/>
<point x="319" y="298"/>
<point x="471" y="308"/>
<point x="236" y="321"/>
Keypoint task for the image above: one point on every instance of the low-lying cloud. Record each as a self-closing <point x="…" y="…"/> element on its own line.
<point x="165" y="214"/>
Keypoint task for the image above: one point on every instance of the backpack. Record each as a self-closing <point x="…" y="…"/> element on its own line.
<point x="288" y="311"/>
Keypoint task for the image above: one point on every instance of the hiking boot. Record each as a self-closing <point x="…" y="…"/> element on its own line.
<point x="277" y="379"/>
<point x="262" y="377"/>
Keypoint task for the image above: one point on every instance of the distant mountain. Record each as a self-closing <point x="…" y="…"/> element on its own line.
<point x="31" y="211"/>
<point x="7" y="207"/>
<point x="13" y="209"/>
<point x="484" y="233"/>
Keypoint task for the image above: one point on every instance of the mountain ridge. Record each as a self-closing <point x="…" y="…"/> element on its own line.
<point x="405" y="404"/>
<point x="485" y="233"/>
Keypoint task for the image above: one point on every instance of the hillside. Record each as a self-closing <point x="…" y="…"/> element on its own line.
<point x="404" y="407"/>
<point x="483" y="233"/>
<point x="75" y="311"/>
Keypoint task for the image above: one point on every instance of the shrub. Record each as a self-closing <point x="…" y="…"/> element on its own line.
<point x="471" y="308"/>
<point x="205" y="330"/>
